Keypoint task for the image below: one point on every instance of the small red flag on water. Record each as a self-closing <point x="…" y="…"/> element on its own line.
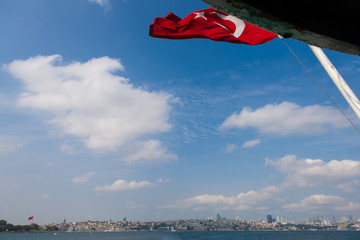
<point x="31" y="218"/>
<point x="212" y="24"/>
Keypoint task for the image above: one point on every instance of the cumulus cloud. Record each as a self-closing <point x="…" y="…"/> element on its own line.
<point x="287" y="118"/>
<point x="316" y="202"/>
<point x="242" y="201"/>
<point x="251" y="143"/>
<point x="121" y="185"/>
<point x="310" y="172"/>
<point x="90" y="101"/>
<point x="83" y="178"/>
<point x="147" y="151"/>
<point x="103" y="3"/>
<point x="230" y="148"/>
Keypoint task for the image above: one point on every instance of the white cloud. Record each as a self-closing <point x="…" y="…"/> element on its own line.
<point x="204" y="199"/>
<point x="242" y="201"/>
<point x="287" y="118"/>
<point x="89" y="101"/>
<point x="148" y="151"/>
<point x="251" y="143"/>
<point x="198" y="209"/>
<point x="348" y="207"/>
<point x="44" y="196"/>
<point x="121" y="185"/>
<point x="230" y="148"/>
<point x="49" y="164"/>
<point x="160" y="180"/>
<point x="316" y="202"/>
<point x="310" y="172"/>
<point x="9" y="144"/>
<point x="83" y="178"/>
<point x="103" y="3"/>
<point x="134" y="205"/>
<point x="348" y="186"/>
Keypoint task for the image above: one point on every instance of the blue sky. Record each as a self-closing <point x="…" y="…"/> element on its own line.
<point x="101" y="121"/>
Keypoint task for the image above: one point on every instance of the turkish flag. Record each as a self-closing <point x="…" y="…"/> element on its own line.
<point x="31" y="218"/>
<point x="212" y="24"/>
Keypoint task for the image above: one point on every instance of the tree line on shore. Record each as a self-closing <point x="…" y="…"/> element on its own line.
<point x="33" y="227"/>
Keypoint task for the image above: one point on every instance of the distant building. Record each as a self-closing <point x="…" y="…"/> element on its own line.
<point x="269" y="219"/>
<point x="218" y="217"/>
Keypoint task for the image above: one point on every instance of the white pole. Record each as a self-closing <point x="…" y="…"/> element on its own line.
<point x="340" y="83"/>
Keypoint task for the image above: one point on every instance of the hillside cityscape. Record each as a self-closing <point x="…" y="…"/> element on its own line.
<point x="219" y="224"/>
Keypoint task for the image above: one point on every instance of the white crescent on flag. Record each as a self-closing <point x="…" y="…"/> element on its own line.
<point x="239" y="24"/>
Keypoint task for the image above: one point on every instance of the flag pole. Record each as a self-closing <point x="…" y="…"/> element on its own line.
<point x="340" y="83"/>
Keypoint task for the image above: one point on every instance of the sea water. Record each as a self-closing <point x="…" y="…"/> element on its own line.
<point x="242" y="235"/>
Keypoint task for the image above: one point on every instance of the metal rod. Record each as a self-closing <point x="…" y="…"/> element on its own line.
<point x="340" y="83"/>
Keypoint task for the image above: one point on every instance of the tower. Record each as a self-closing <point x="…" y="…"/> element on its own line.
<point x="269" y="219"/>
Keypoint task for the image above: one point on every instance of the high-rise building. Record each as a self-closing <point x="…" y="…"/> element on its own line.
<point x="269" y="219"/>
<point x="218" y="217"/>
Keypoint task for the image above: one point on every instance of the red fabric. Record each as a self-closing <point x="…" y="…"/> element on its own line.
<point x="31" y="218"/>
<point x="211" y="24"/>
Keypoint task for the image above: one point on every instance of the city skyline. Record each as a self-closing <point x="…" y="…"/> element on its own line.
<point x="218" y="217"/>
<point x="267" y="219"/>
<point x="218" y="224"/>
<point x="100" y="120"/>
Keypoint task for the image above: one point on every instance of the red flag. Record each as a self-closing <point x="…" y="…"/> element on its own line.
<point x="212" y="24"/>
<point x="31" y="218"/>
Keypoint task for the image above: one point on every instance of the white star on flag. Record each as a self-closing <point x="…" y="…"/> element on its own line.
<point x="200" y="14"/>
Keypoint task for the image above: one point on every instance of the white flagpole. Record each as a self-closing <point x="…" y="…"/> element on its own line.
<point x="340" y="83"/>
